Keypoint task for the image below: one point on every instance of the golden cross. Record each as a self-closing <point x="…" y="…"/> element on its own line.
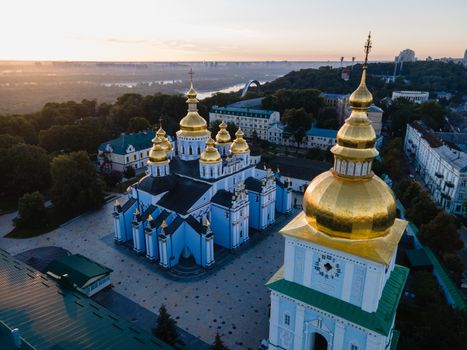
<point x="367" y="49"/>
<point x="190" y="73"/>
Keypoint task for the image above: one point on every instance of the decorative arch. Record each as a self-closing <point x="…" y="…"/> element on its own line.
<point x="248" y="84"/>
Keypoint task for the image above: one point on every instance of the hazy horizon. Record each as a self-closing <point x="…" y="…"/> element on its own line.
<point x="209" y="30"/>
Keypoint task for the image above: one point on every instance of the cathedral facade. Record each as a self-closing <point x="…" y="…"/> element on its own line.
<point x="339" y="287"/>
<point x="197" y="194"/>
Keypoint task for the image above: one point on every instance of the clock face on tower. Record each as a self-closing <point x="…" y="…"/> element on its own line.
<point x="327" y="267"/>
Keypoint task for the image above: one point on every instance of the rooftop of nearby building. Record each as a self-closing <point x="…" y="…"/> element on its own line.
<point x="303" y="169"/>
<point x="318" y="132"/>
<point x="50" y="317"/>
<point x="79" y="269"/>
<point x="139" y="140"/>
<point x="406" y="92"/>
<point x="244" y="112"/>
<point x="250" y="103"/>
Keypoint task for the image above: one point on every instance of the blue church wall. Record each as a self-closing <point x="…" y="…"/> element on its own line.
<point x="356" y="337"/>
<point x="324" y="283"/>
<point x="283" y="199"/>
<point x="196" y="243"/>
<point x="175" y="245"/>
<point x="221" y="226"/>
<point x="255" y="210"/>
<point x="126" y="225"/>
<point x="287" y="308"/>
<point x="358" y="281"/>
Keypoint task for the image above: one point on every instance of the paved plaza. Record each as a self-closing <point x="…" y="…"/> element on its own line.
<point x="232" y="300"/>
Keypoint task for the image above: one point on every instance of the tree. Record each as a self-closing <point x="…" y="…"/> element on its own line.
<point x="138" y="124"/>
<point x="8" y="141"/>
<point x="298" y="122"/>
<point x="391" y="158"/>
<point x="328" y="118"/>
<point x="76" y="187"/>
<point x="31" y="210"/>
<point x="166" y="327"/>
<point x="129" y="172"/>
<point x="454" y="263"/>
<point x="425" y="287"/>
<point x="441" y="233"/>
<point x="408" y="190"/>
<point x="112" y="178"/>
<point x="422" y="209"/>
<point x="218" y="343"/>
<point x="26" y="169"/>
<point x="18" y="126"/>
<point x="283" y="99"/>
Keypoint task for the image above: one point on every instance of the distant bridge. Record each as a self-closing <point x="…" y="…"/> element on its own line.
<point x="248" y="84"/>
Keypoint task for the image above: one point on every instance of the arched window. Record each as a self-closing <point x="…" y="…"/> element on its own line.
<point x="358" y="169"/>
<point x="350" y="169"/>
<point x="343" y="167"/>
<point x="365" y="169"/>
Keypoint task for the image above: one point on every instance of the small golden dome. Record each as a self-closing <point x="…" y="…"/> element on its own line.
<point x="239" y="145"/>
<point x="362" y="97"/>
<point x="210" y="153"/>
<point x="223" y="136"/>
<point x="166" y="145"/>
<point x="192" y="124"/>
<point x="349" y="209"/>
<point x="157" y="154"/>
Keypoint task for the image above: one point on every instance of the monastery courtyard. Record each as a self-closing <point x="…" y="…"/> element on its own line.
<point x="232" y="299"/>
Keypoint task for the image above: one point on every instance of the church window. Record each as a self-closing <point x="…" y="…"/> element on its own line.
<point x="353" y="347"/>
<point x="287" y="319"/>
<point x="190" y="151"/>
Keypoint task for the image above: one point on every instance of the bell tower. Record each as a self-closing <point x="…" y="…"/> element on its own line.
<point x="339" y="287"/>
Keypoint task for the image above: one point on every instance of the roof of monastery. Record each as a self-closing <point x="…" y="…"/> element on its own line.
<point x="253" y="184"/>
<point x="183" y="195"/>
<point x="50" y="317"/>
<point x="223" y="198"/>
<point x="161" y="217"/>
<point x="156" y="185"/>
<point x="244" y="112"/>
<point x="304" y="169"/>
<point x="380" y="321"/>
<point x="190" y="220"/>
<point x="148" y="211"/>
<point x="128" y="204"/>
<point x="319" y="132"/>
<point x="79" y="269"/>
<point x="140" y="140"/>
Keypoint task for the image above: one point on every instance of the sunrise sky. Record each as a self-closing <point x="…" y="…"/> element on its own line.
<point x="177" y="30"/>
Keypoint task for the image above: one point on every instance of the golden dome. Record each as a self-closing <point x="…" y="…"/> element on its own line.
<point x="157" y="155"/>
<point x="349" y="209"/>
<point x="166" y="145"/>
<point x="192" y="124"/>
<point x="223" y="136"/>
<point x="239" y="145"/>
<point x="210" y="153"/>
<point x="349" y="201"/>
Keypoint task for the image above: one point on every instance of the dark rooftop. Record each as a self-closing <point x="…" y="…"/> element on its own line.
<point x="298" y="168"/>
<point x="223" y="197"/>
<point x="253" y="184"/>
<point x="427" y="134"/>
<point x="156" y="185"/>
<point x="49" y="317"/>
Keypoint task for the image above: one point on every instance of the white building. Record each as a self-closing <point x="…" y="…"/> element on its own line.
<point x="126" y="150"/>
<point x="412" y="96"/>
<point x="314" y="137"/>
<point x="339" y="101"/>
<point x="443" y="168"/>
<point x="247" y="119"/>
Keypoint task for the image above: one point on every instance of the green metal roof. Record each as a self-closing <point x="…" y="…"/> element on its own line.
<point x="50" y="317"/>
<point x="79" y="268"/>
<point x="139" y="140"/>
<point x="244" y="112"/>
<point x="379" y="321"/>
<point x="456" y="295"/>
<point x="395" y="339"/>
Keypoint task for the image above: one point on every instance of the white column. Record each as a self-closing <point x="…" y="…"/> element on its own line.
<point x="308" y="267"/>
<point x="370" y="293"/>
<point x="289" y="259"/>
<point x="117" y="229"/>
<point x="339" y="332"/>
<point x="274" y="320"/>
<point x="299" y="322"/>
<point x="347" y="284"/>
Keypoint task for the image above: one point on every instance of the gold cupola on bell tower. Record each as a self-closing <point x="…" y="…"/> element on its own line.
<point x="348" y="207"/>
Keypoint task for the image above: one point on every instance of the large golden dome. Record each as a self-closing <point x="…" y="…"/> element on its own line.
<point x="239" y="145"/>
<point x="223" y="136"/>
<point x="210" y="153"/>
<point x="192" y="124"/>
<point x="349" y="209"/>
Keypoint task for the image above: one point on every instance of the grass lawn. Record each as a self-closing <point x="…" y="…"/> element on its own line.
<point x="54" y="220"/>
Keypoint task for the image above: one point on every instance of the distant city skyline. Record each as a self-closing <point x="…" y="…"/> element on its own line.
<point x="209" y="30"/>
